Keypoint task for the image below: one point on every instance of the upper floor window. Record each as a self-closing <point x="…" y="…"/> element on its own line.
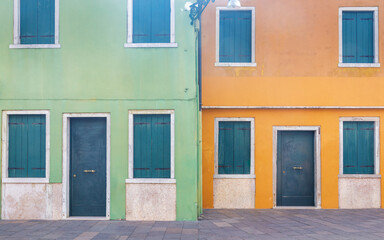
<point x="235" y="37"/>
<point x="151" y="23"/>
<point x="36" y="24"/>
<point x="358" y="37"/>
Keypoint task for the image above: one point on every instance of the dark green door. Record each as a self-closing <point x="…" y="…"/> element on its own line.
<point x="295" y="168"/>
<point x="88" y="167"/>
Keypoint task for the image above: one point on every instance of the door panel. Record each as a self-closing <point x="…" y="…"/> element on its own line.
<point x="88" y="167"/>
<point x="295" y="168"/>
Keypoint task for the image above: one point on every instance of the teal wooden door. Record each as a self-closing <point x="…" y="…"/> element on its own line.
<point x="88" y="167"/>
<point x="295" y="168"/>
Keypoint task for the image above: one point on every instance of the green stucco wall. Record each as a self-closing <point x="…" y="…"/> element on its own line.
<point x="93" y="72"/>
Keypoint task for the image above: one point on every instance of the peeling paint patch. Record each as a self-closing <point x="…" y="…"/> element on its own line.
<point x="233" y="193"/>
<point x="151" y="202"/>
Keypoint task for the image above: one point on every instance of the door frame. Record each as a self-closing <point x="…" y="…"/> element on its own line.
<point x="317" y="164"/>
<point x="66" y="162"/>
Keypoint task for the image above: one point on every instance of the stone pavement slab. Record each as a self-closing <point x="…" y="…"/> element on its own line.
<point x="218" y="224"/>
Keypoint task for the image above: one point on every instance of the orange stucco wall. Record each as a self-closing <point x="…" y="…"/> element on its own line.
<point x="297" y="54"/>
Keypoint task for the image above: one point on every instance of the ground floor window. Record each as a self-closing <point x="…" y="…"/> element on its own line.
<point x="234" y="146"/>
<point x="358" y="147"/>
<point x="152" y="140"/>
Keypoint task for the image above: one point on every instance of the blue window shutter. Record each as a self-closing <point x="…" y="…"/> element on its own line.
<point x="242" y="148"/>
<point x="26" y="146"/>
<point x="161" y="21"/>
<point x="350" y="141"/>
<point x="366" y="147"/>
<point x="349" y="37"/>
<point x="243" y="36"/>
<point x="234" y="148"/>
<point x="46" y="21"/>
<point x="365" y="37"/>
<point x="28" y="22"/>
<point x="235" y="36"/>
<point x="152" y="146"/>
<point x="142" y="21"/>
<point x="36" y="145"/>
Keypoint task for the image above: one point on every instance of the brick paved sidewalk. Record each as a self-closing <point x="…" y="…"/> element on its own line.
<point x="215" y="224"/>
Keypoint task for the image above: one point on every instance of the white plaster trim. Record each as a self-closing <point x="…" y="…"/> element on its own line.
<point x="375" y="11"/>
<point x="150" y="45"/>
<point x="293" y="107"/>
<point x="131" y="140"/>
<point x="151" y="180"/>
<point x="66" y="160"/>
<point x="360" y="176"/>
<point x="317" y="165"/>
<point x="219" y="64"/>
<point x="16" y="28"/>
<point x="251" y="64"/>
<point x="35" y="46"/>
<point x="252" y="166"/>
<point x="25" y="180"/>
<point x="226" y="176"/>
<point x="130" y="43"/>
<point x="376" y="120"/>
<point x="5" y="145"/>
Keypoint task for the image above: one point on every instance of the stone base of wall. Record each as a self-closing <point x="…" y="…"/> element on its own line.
<point x="31" y="201"/>
<point x="233" y="193"/>
<point x="151" y="201"/>
<point x="359" y="191"/>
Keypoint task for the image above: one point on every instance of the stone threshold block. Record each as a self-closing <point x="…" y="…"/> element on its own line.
<point x="150" y="201"/>
<point x="359" y="191"/>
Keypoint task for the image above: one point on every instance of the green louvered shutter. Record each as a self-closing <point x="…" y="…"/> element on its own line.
<point x="37" y="21"/>
<point x="27" y="143"/>
<point x="152" y="146"/>
<point x="234" y="147"/>
<point x="235" y="36"/>
<point x="358" y="148"/>
<point x="151" y="21"/>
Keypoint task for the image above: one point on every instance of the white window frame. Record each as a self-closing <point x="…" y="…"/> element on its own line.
<point x="130" y="44"/>
<point x="376" y="120"/>
<point x="227" y="64"/>
<point x="252" y="154"/>
<point x="16" y="29"/>
<point x="5" y="147"/>
<point x="131" y="179"/>
<point x="375" y="11"/>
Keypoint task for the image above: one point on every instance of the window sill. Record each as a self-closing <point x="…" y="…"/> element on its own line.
<point x="25" y="180"/>
<point x="35" y="46"/>
<point x="151" y="180"/>
<point x="150" y="45"/>
<point x="359" y="65"/>
<point x="360" y="176"/>
<point x="235" y="176"/>
<point x="220" y="64"/>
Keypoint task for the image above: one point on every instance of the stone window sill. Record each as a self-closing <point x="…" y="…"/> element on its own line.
<point x="235" y="176"/>
<point x="359" y="65"/>
<point x="150" y="45"/>
<point x="21" y="46"/>
<point x="360" y="176"/>
<point x="25" y="180"/>
<point x="151" y="180"/>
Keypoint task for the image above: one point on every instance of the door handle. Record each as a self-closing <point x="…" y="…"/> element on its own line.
<point x="89" y="171"/>
<point x="297" y="168"/>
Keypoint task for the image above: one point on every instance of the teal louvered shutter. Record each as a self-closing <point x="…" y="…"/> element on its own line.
<point x="358" y="37"/>
<point x="366" y="147"/>
<point x="365" y="37"/>
<point x="234" y="148"/>
<point x="350" y="141"/>
<point x="27" y="143"/>
<point x="37" y="21"/>
<point x="235" y="36"/>
<point x="358" y="148"/>
<point x="152" y="146"/>
<point x="349" y="37"/>
<point x="151" y="21"/>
